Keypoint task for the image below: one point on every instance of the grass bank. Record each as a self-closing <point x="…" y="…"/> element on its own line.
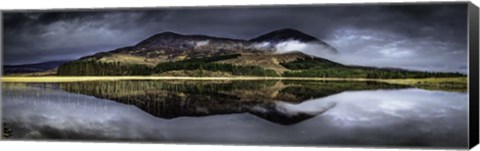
<point x="453" y="83"/>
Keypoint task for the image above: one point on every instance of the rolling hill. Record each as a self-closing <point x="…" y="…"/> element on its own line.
<point x="32" y="68"/>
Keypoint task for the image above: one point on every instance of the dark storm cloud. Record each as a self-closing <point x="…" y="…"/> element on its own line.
<point x="423" y="37"/>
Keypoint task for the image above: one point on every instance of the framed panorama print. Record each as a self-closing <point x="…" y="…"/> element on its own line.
<point x="388" y="75"/>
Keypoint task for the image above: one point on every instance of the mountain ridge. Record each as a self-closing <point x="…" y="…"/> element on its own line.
<point x="170" y="46"/>
<point x="170" y="34"/>
<point x="33" y="67"/>
<point x="283" y="35"/>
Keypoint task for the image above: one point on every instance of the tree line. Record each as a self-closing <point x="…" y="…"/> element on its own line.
<point x="96" y="68"/>
<point x="306" y="67"/>
<point x="315" y="67"/>
<point x="230" y="68"/>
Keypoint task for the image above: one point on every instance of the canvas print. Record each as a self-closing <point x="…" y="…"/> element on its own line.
<point x="312" y="75"/>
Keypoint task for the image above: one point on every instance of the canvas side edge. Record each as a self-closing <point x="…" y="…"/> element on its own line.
<point x="473" y="75"/>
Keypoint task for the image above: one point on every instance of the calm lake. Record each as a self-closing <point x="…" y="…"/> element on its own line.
<point x="237" y="112"/>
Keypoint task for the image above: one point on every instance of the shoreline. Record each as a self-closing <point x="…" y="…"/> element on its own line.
<point x="441" y="83"/>
<point x="114" y="78"/>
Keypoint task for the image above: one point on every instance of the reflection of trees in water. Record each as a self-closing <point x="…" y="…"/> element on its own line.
<point x="21" y="94"/>
<point x="46" y="94"/>
<point x="305" y="90"/>
<point x="171" y="99"/>
<point x="7" y="132"/>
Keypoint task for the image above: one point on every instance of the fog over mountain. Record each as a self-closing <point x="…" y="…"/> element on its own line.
<point x="421" y="37"/>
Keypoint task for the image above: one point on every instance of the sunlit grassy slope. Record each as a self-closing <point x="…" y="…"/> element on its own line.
<point x="452" y="84"/>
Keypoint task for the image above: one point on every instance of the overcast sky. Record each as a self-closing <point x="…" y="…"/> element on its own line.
<point x="421" y="37"/>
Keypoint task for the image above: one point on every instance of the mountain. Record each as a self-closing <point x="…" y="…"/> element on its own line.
<point x="273" y="54"/>
<point x="169" y="46"/>
<point x="284" y="35"/>
<point x="286" y="40"/>
<point x="30" y="68"/>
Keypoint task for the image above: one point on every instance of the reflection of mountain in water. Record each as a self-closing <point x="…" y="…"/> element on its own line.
<point x="275" y="101"/>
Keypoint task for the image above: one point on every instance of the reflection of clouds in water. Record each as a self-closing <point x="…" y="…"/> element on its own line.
<point x="56" y="114"/>
<point x="397" y="105"/>
<point x="383" y="117"/>
<point x="397" y="117"/>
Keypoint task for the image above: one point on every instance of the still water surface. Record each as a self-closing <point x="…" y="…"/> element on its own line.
<point x="237" y="112"/>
